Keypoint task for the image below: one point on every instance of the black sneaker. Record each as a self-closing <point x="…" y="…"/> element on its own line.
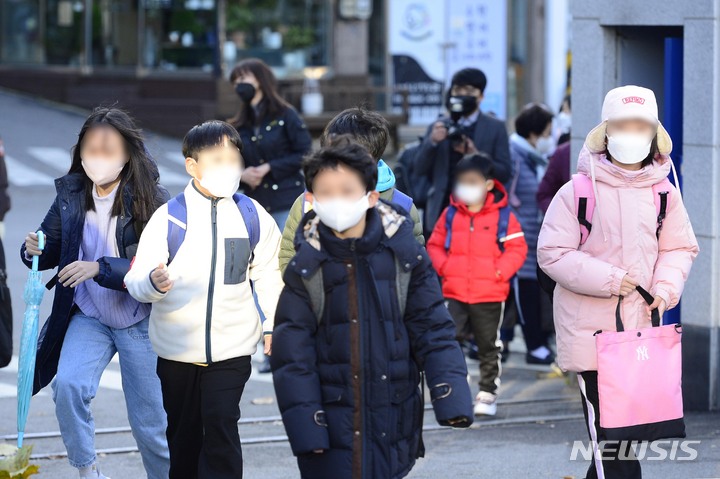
<point x="473" y="351"/>
<point x="505" y="353"/>
<point x="469" y="349"/>
<point x="547" y="360"/>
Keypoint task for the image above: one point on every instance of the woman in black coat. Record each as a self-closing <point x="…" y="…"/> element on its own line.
<point x="275" y="140"/>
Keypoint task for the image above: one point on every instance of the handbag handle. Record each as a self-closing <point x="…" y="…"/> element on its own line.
<point x="654" y="315"/>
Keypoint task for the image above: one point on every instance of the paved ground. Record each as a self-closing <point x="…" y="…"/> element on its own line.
<point x="530" y="437"/>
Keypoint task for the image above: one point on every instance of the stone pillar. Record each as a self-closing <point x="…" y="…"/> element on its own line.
<point x="350" y="47"/>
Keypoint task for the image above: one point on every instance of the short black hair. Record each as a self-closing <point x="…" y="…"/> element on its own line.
<point x="534" y="118"/>
<point x="341" y="150"/>
<point x="209" y="134"/>
<point x="479" y="162"/>
<point x="470" y="76"/>
<point x="369" y="128"/>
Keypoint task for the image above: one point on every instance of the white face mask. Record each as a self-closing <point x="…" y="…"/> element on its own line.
<point x="102" y="172"/>
<point x="221" y="181"/>
<point x="564" y="121"/>
<point x="470" y="194"/>
<point x="629" y="148"/>
<point x="341" y="214"/>
<point x="545" y="145"/>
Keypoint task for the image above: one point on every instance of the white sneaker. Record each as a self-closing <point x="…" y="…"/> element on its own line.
<point x="485" y="404"/>
<point x="91" y="472"/>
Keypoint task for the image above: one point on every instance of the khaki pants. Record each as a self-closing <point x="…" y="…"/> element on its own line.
<point x="483" y="321"/>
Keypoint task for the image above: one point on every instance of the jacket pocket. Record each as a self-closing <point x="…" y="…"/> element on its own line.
<point x="331" y="393"/>
<point x="237" y="258"/>
<point x="407" y="405"/>
<point x="402" y="390"/>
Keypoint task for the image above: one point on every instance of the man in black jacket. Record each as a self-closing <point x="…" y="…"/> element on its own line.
<point x="450" y="138"/>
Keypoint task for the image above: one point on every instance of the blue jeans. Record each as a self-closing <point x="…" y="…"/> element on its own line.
<point x="87" y="350"/>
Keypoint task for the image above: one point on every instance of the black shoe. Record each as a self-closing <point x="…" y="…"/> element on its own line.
<point x="547" y="360"/>
<point x="505" y="353"/>
<point x="264" y="366"/>
<point x="469" y="349"/>
<point x="473" y="351"/>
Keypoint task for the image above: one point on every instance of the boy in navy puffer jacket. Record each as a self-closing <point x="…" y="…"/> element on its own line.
<point x="360" y="316"/>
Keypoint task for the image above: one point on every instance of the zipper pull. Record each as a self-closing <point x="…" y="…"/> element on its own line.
<point x="213" y="204"/>
<point x="472" y="223"/>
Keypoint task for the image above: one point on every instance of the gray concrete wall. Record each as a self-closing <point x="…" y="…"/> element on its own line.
<point x="598" y="67"/>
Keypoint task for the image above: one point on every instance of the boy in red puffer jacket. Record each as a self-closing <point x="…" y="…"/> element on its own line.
<point x="477" y="246"/>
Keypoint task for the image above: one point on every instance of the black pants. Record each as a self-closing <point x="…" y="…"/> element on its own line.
<point x="610" y="466"/>
<point x="483" y="320"/>
<point x="203" y="408"/>
<point x="531" y="309"/>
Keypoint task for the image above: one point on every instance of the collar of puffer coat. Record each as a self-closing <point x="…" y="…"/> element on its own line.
<point x="601" y="170"/>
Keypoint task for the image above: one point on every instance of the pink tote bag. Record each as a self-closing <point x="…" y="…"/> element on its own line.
<point x="639" y="380"/>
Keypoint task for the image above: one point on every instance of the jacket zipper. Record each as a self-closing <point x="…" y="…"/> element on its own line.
<point x="211" y="284"/>
<point x="472" y="230"/>
<point x="232" y="258"/>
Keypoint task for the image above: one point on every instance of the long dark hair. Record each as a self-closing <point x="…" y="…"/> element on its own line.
<point x="272" y="104"/>
<point x="140" y="172"/>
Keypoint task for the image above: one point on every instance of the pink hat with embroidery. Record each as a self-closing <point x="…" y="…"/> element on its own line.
<point x="629" y="103"/>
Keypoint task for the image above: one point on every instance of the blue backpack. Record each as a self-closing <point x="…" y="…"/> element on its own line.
<point x="503" y="221"/>
<point x="402" y="200"/>
<point x="177" y="222"/>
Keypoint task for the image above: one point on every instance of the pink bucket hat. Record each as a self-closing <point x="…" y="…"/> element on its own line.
<point x="629" y="103"/>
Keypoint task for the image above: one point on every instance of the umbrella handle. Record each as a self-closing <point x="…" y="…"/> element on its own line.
<point x="41" y="246"/>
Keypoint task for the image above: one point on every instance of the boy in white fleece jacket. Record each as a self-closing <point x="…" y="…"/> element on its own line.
<point x="195" y="261"/>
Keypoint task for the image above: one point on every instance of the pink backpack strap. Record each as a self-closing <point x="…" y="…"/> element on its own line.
<point x="661" y="196"/>
<point x="584" y="204"/>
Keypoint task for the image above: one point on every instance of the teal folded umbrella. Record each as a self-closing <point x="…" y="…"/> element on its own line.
<point x="34" y="290"/>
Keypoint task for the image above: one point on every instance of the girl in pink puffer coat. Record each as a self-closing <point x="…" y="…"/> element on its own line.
<point x="624" y="156"/>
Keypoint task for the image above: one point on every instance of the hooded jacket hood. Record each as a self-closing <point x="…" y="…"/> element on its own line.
<point x="600" y="169"/>
<point x="606" y="172"/>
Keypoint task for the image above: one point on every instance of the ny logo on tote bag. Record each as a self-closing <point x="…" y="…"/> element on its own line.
<point x="642" y="353"/>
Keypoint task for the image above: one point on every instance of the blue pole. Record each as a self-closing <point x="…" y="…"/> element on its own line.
<point x="673" y="119"/>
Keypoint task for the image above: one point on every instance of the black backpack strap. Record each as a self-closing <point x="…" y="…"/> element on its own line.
<point x="582" y="214"/>
<point x="662" y="213"/>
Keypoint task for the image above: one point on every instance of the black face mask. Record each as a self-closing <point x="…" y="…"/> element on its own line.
<point x="461" y="105"/>
<point x="245" y="91"/>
